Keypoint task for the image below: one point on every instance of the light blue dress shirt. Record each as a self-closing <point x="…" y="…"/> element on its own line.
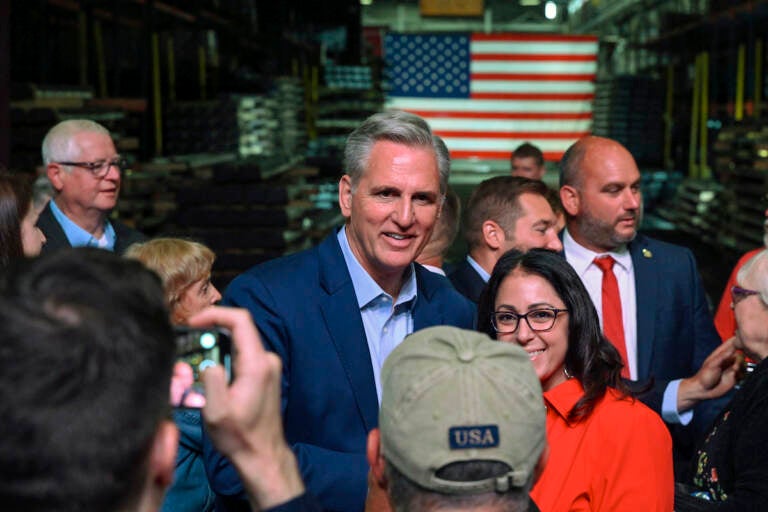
<point x="386" y="324"/>
<point x="78" y="237"/>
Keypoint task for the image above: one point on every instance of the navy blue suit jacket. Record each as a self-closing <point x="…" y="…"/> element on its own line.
<point x="467" y="281"/>
<point x="675" y="330"/>
<point x="305" y="308"/>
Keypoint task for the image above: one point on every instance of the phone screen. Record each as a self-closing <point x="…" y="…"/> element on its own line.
<point x="201" y="348"/>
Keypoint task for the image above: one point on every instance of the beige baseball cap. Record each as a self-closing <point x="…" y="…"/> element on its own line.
<point x="452" y="395"/>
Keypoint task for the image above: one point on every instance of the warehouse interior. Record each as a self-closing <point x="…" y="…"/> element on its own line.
<point x="233" y="113"/>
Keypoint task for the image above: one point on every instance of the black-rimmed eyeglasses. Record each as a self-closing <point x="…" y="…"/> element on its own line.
<point x="99" y="168"/>
<point x="507" y="322"/>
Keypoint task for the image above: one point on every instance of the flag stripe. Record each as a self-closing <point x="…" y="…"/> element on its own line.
<point x="457" y="124"/>
<point x="571" y="39"/>
<point x="538" y="77"/>
<point x="555" y="96"/>
<point x="483" y="105"/>
<point x="533" y="67"/>
<point x="516" y="135"/>
<point x="479" y="144"/>
<point x="497" y="115"/>
<point x="525" y="57"/>
<point x="537" y="49"/>
<point x="551" y="156"/>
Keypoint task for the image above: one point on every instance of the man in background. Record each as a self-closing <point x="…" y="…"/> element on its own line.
<point x="503" y="213"/>
<point x="84" y="168"/>
<point x="528" y="162"/>
<point x="648" y="293"/>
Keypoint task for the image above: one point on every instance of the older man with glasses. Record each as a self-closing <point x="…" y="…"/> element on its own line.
<point x="84" y="168"/>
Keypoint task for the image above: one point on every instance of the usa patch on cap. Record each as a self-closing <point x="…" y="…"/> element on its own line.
<point x="473" y="436"/>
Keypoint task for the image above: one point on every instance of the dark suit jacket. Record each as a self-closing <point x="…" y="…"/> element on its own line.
<point x="305" y="308"/>
<point x="675" y="331"/>
<point x="467" y="281"/>
<point x="55" y="238"/>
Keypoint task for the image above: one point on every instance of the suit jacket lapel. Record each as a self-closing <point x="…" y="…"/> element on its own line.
<point x="54" y="233"/>
<point x="345" y="326"/>
<point x="425" y="312"/>
<point x="646" y="283"/>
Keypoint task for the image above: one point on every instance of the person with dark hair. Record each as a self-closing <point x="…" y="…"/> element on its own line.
<point x="334" y="312"/>
<point x="87" y="351"/>
<point x="19" y="236"/>
<point x="87" y="348"/>
<point x="84" y="169"/>
<point x="462" y="426"/>
<point x="648" y="294"/>
<point x="608" y="451"/>
<point x="504" y="212"/>
<point x="528" y="162"/>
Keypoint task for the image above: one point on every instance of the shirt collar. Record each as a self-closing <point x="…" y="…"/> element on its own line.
<point x="564" y="396"/>
<point x="480" y="270"/>
<point x="366" y="289"/>
<point x="581" y="258"/>
<point x="78" y="237"/>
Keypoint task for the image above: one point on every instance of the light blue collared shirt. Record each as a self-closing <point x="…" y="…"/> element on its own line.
<point x="386" y="325"/>
<point x="78" y="237"/>
<point x="480" y="270"/>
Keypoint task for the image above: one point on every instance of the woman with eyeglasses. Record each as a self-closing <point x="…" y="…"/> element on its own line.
<point x="731" y="465"/>
<point x="607" y="451"/>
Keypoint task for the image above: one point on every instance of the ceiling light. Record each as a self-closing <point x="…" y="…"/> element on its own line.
<point x="550" y="10"/>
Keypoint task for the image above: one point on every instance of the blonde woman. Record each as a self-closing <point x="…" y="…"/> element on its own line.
<point x="185" y="270"/>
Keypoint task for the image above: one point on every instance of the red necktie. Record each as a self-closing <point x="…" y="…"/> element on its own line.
<point x="613" y="324"/>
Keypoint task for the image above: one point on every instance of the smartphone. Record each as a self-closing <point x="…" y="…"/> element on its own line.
<point x="201" y="348"/>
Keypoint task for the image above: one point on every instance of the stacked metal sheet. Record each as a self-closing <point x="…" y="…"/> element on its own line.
<point x="246" y="125"/>
<point x="348" y="77"/>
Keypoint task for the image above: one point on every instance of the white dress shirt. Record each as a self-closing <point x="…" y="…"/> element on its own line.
<point x="582" y="261"/>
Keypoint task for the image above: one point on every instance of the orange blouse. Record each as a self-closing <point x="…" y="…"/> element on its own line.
<point x="619" y="458"/>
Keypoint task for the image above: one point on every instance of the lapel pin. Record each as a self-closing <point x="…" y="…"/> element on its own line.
<point x="647" y="253"/>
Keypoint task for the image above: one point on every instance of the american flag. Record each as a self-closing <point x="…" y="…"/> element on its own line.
<point x="485" y="94"/>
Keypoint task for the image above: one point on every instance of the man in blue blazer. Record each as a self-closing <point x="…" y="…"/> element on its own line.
<point x="333" y="313"/>
<point x="668" y="328"/>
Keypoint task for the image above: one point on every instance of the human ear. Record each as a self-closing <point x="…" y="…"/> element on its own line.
<point x="493" y="235"/>
<point x="345" y="195"/>
<point x="375" y="457"/>
<point x="54" y="172"/>
<point x="569" y="196"/>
